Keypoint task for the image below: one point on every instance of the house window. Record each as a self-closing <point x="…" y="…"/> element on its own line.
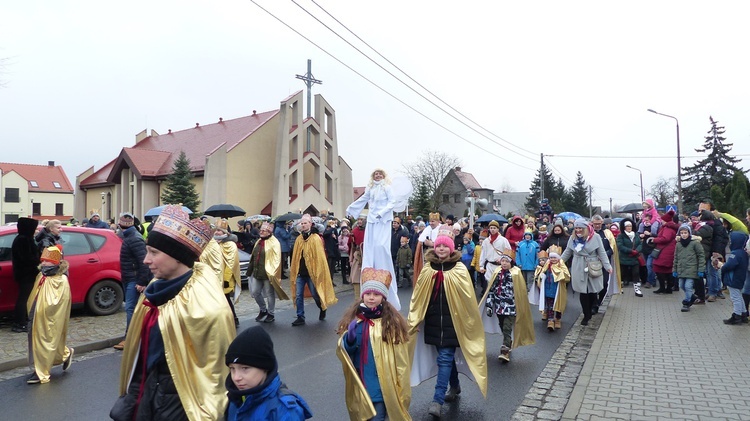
<point x="36" y="209"/>
<point x="34" y="183"/>
<point x="446" y="198"/>
<point x="457" y="198"/>
<point x="59" y="209"/>
<point x="56" y="184"/>
<point x="10" y="218"/>
<point x="11" y="195"/>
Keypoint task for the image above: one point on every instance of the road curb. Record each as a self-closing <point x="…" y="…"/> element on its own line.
<point x="80" y="349"/>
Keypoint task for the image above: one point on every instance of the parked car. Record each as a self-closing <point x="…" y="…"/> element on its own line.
<point x="94" y="274"/>
<point x="244" y="263"/>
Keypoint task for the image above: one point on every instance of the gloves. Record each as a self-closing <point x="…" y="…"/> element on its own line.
<point x="674" y="274"/>
<point x="633" y="253"/>
<point x="701" y="274"/>
<point x="351" y="332"/>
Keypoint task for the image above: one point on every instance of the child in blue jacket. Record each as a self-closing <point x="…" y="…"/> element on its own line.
<point x="526" y="258"/>
<point x="733" y="274"/>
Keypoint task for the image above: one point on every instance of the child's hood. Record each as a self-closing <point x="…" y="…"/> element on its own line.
<point x="737" y="240"/>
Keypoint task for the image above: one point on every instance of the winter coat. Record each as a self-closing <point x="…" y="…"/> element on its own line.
<point x="24" y="252"/>
<point x="720" y="238"/>
<point x="438" y="322"/>
<point x="467" y="254"/>
<point x="396" y="239"/>
<point x="592" y="250"/>
<point x="560" y="240"/>
<point x="331" y="242"/>
<point x="272" y="402"/>
<point x="45" y="238"/>
<point x="158" y="389"/>
<point x="404" y="257"/>
<point x="628" y="249"/>
<point x="665" y="241"/>
<point x="706" y="232"/>
<point x="734" y="271"/>
<point x="690" y="260"/>
<point x="513" y="233"/>
<point x="284" y="238"/>
<point x="526" y="255"/>
<point x="132" y="253"/>
<point x="344" y="240"/>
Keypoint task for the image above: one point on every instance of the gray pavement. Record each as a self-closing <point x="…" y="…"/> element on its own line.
<point x="639" y="359"/>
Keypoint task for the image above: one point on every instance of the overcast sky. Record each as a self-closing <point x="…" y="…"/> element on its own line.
<point x="568" y="79"/>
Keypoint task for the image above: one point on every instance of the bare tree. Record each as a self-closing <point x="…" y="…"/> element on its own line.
<point x="664" y="191"/>
<point x="431" y="169"/>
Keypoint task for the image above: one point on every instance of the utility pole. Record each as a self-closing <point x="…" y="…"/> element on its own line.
<point x="590" y="201"/>
<point x="309" y="81"/>
<point x="541" y="179"/>
<point x="610" y="207"/>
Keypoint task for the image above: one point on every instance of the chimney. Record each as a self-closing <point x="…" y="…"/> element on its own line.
<point x="253" y="112"/>
<point x="51" y="163"/>
<point x="197" y="125"/>
<point x="458" y="169"/>
<point x="170" y="131"/>
<point x="221" y="120"/>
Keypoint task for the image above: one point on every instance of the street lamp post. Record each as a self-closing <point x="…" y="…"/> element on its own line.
<point x="643" y="195"/>
<point x="679" y="165"/>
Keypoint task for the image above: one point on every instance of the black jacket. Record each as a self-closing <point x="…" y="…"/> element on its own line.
<point x="46" y="239"/>
<point x="132" y="253"/>
<point x="330" y="239"/>
<point x="396" y="239"/>
<point x="438" y="323"/>
<point x="25" y="253"/>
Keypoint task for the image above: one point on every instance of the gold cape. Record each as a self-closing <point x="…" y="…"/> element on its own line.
<point x="561" y="275"/>
<point x="213" y="257"/>
<point x="197" y="326"/>
<point x="273" y="265"/>
<point x="462" y="304"/>
<point x="393" y="365"/>
<point x="231" y="262"/>
<point x="317" y="267"/>
<point x="615" y="260"/>
<point x="523" y="329"/>
<point x="418" y="263"/>
<point x="50" y="303"/>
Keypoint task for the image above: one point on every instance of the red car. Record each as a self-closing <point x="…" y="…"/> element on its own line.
<point x="94" y="274"/>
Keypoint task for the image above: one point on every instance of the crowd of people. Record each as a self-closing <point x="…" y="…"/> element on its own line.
<point x="176" y="365"/>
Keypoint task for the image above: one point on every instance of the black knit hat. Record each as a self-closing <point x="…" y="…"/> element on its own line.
<point x="172" y="247"/>
<point x="252" y="347"/>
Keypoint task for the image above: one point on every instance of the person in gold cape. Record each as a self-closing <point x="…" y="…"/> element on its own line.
<point x="444" y="314"/>
<point x="173" y="363"/>
<point x="230" y="264"/>
<point x="264" y="272"/>
<point x="374" y="353"/>
<point x="310" y="267"/>
<point x="552" y="281"/>
<point x="49" y="309"/>
<point x="506" y="298"/>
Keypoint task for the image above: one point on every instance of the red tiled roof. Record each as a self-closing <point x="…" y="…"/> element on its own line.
<point x="155" y="155"/>
<point x="100" y="176"/>
<point x="43" y="175"/>
<point x="358" y="191"/>
<point x="467" y="179"/>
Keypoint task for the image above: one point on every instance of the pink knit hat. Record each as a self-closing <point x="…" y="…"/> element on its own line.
<point x="445" y="237"/>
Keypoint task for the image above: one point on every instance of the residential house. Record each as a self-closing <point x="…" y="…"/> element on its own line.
<point x="267" y="163"/>
<point x="36" y="191"/>
<point x="455" y="188"/>
<point x="510" y="202"/>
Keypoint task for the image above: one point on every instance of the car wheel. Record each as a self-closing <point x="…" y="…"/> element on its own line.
<point x="105" y="298"/>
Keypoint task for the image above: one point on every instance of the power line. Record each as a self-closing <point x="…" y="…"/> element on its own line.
<point x="415" y="81"/>
<point x="631" y="157"/>
<point x="385" y="91"/>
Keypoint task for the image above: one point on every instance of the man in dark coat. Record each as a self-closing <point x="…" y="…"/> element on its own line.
<point x="25" y="268"/>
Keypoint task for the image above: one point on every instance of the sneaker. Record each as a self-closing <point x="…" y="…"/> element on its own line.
<point x="120" y="346"/>
<point x="453" y="393"/>
<point x="435" y="409"/>
<point x="699" y="301"/>
<point x="322" y="315"/>
<point x="711" y="298"/>
<point x="299" y="322"/>
<point x="685" y="308"/>
<point x="269" y="319"/>
<point x="33" y="379"/>
<point x="262" y="315"/>
<point x="721" y="296"/>
<point x="504" y="354"/>
<point x="67" y="363"/>
<point x="637" y="289"/>
<point x="19" y="329"/>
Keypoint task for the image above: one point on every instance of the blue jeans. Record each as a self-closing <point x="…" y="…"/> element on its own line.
<point x="686" y="285"/>
<point x="131" y="299"/>
<point x="447" y="372"/>
<point x="300" y="298"/>
<point x="380" y="411"/>
<point x="713" y="283"/>
<point x="651" y="279"/>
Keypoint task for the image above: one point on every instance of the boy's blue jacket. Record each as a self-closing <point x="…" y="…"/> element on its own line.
<point x="526" y="254"/>
<point x="269" y="401"/>
<point x="734" y="271"/>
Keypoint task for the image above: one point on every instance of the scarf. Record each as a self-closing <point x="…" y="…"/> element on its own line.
<point x="49" y="271"/>
<point x="438" y="283"/>
<point x="685" y="241"/>
<point x="366" y="314"/>
<point x="630" y="234"/>
<point x="493" y="237"/>
<point x="150" y="320"/>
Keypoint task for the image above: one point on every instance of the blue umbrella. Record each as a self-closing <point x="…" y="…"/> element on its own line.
<point x="487" y="217"/>
<point x="567" y="216"/>
<point x="157" y="211"/>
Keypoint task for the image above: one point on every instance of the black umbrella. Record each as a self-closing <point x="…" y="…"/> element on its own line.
<point x="487" y="217"/>
<point x="288" y="217"/>
<point x="631" y="208"/>
<point x="224" y="211"/>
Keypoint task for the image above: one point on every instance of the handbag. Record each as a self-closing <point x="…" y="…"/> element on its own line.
<point x="655" y="253"/>
<point x="595" y="268"/>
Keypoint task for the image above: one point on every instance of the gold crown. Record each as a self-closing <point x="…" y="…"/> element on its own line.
<point x="176" y="224"/>
<point x="434" y="216"/>
<point x="380" y="275"/>
<point x="52" y="254"/>
<point x="446" y="230"/>
<point x="542" y="254"/>
<point x="222" y="224"/>
<point x="555" y="249"/>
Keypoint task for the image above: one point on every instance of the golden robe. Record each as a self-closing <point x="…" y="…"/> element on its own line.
<point x="418" y="262"/>
<point x="197" y="326"/>
<point x="273" y="265"/>
<point x="317" y="266"/>
<point x="523" y="329"/>
<point x="393" y="365"/>
<point x="231" y="264"/>
<point x="561" y="275"/>
<point x="49" y="303"/>
<point x="462" y="305"/>
<point x="213" y="257"/>
<point x="614" y="287"/>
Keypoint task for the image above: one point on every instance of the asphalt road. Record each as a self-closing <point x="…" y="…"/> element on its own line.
<point x="308" y="365"/>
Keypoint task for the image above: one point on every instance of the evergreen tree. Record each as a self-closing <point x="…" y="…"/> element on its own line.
<point x="716" y="169"/>
<point x="421" y="202"/>
<point x="737" y="195"/>
<point x="179" y="188"/>
<point x="533" y="201"/>
<point x="576" y="200"/>
<point x="717" y="197"/>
